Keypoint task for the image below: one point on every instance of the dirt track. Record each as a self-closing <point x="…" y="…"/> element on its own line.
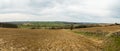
<point x="44" y="40"/>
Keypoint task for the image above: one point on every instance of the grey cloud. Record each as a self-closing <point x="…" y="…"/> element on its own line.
<point x="40" y="4"/>
<point x="69" y="10"/>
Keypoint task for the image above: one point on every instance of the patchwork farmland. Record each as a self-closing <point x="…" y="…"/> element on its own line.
<point x="100" y="38"/>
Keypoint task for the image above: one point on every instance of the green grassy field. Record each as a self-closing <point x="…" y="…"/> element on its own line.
<point x="109" y="37"/>
<point x="39" y="25"/>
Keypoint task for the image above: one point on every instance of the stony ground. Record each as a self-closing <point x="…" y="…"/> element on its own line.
<point x="44" y="40"/>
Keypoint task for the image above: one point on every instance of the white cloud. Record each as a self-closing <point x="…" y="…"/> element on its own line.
<point x="27" y="17"/>
<point x="6" y="4"/>
<point x="58" y="10"/>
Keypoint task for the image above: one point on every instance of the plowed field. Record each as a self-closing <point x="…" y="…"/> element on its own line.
<point x="44" y="40"/>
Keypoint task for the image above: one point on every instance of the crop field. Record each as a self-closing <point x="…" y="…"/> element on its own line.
<point x="98" y="32"/>
<point x="83" y="39"/>
<point x="44" y="25"/>
<point x="44" y="40"/>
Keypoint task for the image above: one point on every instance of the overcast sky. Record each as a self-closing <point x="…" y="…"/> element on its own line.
<point x="104" y="11"/>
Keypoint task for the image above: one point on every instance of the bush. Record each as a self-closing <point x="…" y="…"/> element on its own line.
<point x="81" y="26"/>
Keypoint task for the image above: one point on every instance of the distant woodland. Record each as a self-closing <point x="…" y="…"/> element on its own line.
<point x="8" y="25"/>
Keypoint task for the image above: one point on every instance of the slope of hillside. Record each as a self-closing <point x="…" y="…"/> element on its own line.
<point x="105" y="29"/>
<point x="44" y="40"/>
<point x="112" y="41"/>
<point x="108" y="37"/>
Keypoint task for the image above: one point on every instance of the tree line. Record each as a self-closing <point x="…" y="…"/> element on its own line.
<point x="8" y="25"/>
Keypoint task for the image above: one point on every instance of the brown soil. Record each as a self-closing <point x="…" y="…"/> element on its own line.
<point x="44" y="40"/>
